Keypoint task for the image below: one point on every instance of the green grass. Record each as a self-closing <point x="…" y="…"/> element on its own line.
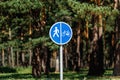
<point x="25" y="74"/>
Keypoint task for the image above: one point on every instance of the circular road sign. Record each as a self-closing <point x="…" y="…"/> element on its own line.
<point x="60" y="33"/>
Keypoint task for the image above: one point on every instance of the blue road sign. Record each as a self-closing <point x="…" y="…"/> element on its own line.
<point x="60" y="33"/>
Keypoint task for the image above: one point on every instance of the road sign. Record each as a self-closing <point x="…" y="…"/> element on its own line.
<point x="60" y="33"/>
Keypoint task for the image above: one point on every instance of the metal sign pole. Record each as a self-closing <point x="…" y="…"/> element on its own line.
<point x="61" y="62"/>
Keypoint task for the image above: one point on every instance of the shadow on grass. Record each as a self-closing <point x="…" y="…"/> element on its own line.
<point x="52" y="76"/>
<point x="16" y="76"/>
<point x="55" y="76"/>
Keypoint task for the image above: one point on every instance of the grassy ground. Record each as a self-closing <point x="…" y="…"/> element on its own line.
<point x="25" y="74"/>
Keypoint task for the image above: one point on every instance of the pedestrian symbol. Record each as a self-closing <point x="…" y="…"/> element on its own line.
<point x="56" y="31"/>
<point x="60" y="33"/>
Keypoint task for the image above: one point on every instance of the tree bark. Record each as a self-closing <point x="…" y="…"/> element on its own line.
<point x="12" y="57"/>
<point x="9" y="57"/>
<point x="23" y="58"/>
<point x="87" y="42"/>
<point x="36" y="62"/>
<point x="93" y="58"/>
<point x="96" y="66"/>
<point x="65" y="57"/>
<point x="11" y="48"/>
<point x="17" y="58"/>
<point x="45" y="58"/>
<point x="40" y="60"/>
<point x="116" y="70"/>
<point x="30" y="56"/>
<point x="77" y="60"/>
<point x="57" y="65"/>
<point x="3" y="57"/>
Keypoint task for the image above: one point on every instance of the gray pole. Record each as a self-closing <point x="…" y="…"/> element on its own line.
<point x="61" y="62"/>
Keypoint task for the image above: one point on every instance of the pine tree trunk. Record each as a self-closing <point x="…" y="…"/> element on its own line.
<point x="116" y="70"/>
<point x="57" y="65"/>
<point x="17" y="58"/>
<point x="47" y="55"/>
<point x="44" y="59"/>
<point x="30" y="56"/>
<point x="56" y="62"/>
<point x="96" y="67"/>
<point x="78" y="48"/>
<point x="87" y="42"/>
<point x="23" y="58"/>
<point x="9" y="57"/>
<point x="12" y="57"/>
<point x="36" y="62"/>
<point x="93" y="54"/>
<point x="11" y="49"/>
<point x="3" y="57"/>
<point x="100" y="47"/>
<point x="65" y="57"/>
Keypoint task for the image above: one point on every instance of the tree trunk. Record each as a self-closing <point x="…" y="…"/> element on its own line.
<point x="87" y="42"/>
<point x="65" y="57"/>
<point x="116" y="70"/>
<point x="57" y="65"/>
<point x="30" y="56"/>
<point x="56" y="61"/>
<point x="36" y="62"/>
<point x="100" y="47"/>
<point x="23" y="58"/>
<point x="17" y="58"/>
<point x="78" y="49"/>
<point x="47" y="56"/>
<point x="3" y="57"/>
<point x="96" y="67"/>
<point x="9" y="57"/>
<point x="93" y="54"/>
<point x="44" y="58"/>
<point x="12" y="57"/>
<point x="11" y="49"/>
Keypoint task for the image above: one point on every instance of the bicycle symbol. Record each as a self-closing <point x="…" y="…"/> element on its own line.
<point x="66" y="33"/>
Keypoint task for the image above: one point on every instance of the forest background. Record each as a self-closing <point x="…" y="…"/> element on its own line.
<point x="95" y="45"/>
